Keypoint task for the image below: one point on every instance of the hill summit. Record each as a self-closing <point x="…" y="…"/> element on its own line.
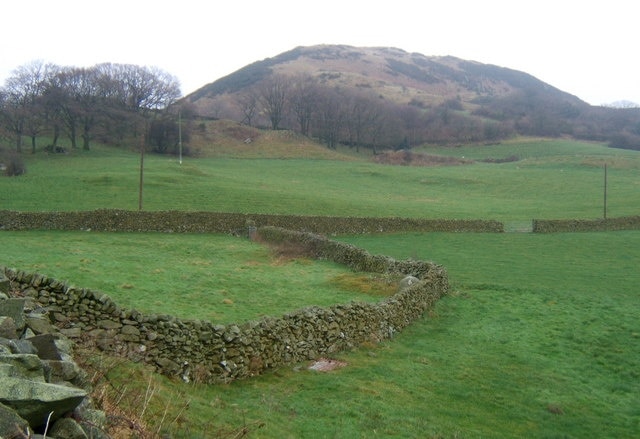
<point x="441" y="99"/>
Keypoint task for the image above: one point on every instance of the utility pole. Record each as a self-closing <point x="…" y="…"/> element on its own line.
<point x="605" y="191"/>
<point x="180" y="134"/>
<point x="141" y="167"/>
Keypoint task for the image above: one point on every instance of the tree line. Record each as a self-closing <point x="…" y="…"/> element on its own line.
<point x="109" y="102"/>
<point x="357" y="117"/>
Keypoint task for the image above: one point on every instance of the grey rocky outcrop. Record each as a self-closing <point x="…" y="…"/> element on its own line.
<point x="41" y="387"/>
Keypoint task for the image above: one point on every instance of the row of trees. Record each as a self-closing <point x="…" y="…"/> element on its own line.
<point x="107" y="101"/>
<point x="358" y="117"/>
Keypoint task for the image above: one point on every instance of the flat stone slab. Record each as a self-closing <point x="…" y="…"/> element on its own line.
<point x="34" y="401"/>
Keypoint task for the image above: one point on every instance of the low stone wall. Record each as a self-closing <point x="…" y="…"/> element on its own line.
<point x="209" y="352"/>
<point x="595" y="225"/>
<point x="216" y="222"/>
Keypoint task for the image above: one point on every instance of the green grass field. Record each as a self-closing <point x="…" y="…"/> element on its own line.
<point x="210" y="277"/>
<point x="562" y="180"/>
<point x="539" y="337"/>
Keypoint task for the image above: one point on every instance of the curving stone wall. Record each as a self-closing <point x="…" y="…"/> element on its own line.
<point x="209" y="352"/>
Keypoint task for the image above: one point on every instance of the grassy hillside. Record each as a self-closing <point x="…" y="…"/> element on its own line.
<point x="550" y="179"/>
<point x="224" y="138"/>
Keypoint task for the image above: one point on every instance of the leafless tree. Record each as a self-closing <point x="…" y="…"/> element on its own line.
<point x="23" y="109"/>
<point x="140" y="88"/>
<point x="273" y="96"/>
<point x="248" y="103"/>
<point x="68" y="94"/>
<point x="303" y="101"/>
<point x="331" y="117"/>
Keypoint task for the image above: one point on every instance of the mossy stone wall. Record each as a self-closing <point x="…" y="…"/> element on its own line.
<point x="595" y="225"/>
<point x="218" y="222"/>
<point x="208" y="352"/>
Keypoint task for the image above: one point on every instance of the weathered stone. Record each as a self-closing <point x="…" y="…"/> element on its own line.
<point x="34" y="401"/>
<point x="9" y="370"/>
<point x="5" y="348"/>
<point x="67" y="428"/>
<point x="109" y="324"/>
<point x="8" y="327"/>
<point x="219" y="329"/>
<point x="71" y="332"/>
<point x="28" y="366"/>
<point x="11" y="424"/>
<point x="94" y="417"/>
<point x="19" y="346"/>
<point x="46" y="347"/>
<point x="129" y="338"/>
<point x="168" y="366"/>
<point x="130" y="330"/>
<point x="39" y="323"/>
<point x="5" y="284"/>
<point x="407" y="282"/>
<point x="13" y="308"/>
<point x="60" y="317"/>
<point x="60" y="371"/>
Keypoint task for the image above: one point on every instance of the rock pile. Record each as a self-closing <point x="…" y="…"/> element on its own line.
<point x="42" y="390"/>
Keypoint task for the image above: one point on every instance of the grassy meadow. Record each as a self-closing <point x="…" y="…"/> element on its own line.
<point x="192" y="276"/>
<point x="539" y="337"/>
<point x="564" y="179"/>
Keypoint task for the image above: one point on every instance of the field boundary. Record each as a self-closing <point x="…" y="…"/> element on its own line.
<point x="594" y="225"/>
<point x="109" y="220"/>
<point x="202" y="351"/>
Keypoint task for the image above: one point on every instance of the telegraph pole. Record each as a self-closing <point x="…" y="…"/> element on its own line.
<point x="180" y="134"/>
<point x="605" y="191"/>
<point x="142" y="137"/>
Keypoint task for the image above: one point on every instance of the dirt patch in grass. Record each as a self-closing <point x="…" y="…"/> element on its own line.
<point x="381" y="286"/>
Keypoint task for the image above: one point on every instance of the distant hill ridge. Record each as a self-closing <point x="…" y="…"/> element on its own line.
<point x="486" y="96"/>
<point x="398" y="74"/>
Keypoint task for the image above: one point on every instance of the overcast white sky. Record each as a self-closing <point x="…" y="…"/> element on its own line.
<point x="586" y="48"/>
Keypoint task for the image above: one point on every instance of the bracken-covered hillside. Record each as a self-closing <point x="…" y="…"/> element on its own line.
<point x="432" y="98"/>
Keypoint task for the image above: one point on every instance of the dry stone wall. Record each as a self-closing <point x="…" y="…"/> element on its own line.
<point x="216" y="222"/>
<point x="595" y="225"/>
<point x="210" y="352"/>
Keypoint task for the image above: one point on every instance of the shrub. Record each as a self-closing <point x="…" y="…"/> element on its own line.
<point x="12" y="165"/>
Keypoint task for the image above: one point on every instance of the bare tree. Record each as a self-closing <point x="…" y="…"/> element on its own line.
<point x="273" y="96"/>
<point x="78" y="97"/>
<point x="331" y="117"/>
<point x="23" y="109"/>
<point x="140" y="88"/>
<point x="248" y="103"/>
<point x="303" y="101"/>
<point x="360" y="118"/>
